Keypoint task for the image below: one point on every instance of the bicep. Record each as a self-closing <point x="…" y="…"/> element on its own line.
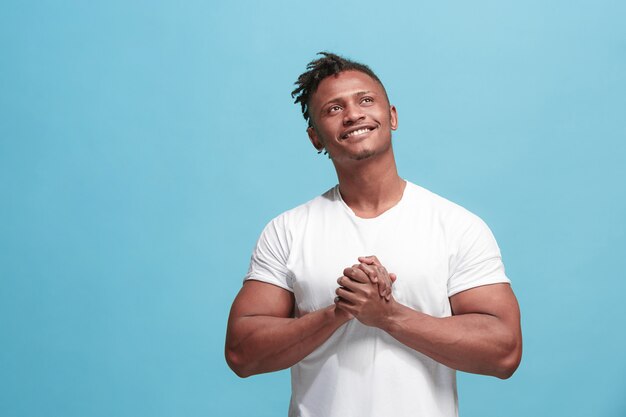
<point x="495" y="300"/>
<point x="257" y="298"/>
<point x="259" y="306"/>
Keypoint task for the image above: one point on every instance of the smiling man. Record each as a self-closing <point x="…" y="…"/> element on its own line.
<point x="377" y="291"/>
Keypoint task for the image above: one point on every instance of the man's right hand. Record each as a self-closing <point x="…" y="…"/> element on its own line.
<point x="371" y="269"/>
<point x="359" y="292"/>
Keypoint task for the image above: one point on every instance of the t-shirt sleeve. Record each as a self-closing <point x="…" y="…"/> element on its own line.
<point x="476" y="259"/>
<point x="269" y="258"/>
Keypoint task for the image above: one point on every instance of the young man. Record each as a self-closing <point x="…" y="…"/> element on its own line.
<point x="377" y="291"/>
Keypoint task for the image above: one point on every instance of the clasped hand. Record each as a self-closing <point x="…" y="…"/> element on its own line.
<point x="365" y="291"/>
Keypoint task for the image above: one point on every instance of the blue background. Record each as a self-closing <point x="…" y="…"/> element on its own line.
<point x="145" y="144"/>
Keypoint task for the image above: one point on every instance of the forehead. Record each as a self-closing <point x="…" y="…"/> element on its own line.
<point x="346" y="83"/>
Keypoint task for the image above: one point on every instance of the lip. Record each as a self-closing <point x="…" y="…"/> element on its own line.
<point x="371" y="128"/>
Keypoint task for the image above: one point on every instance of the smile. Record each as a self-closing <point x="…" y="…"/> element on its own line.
<point x="357" y="132"/>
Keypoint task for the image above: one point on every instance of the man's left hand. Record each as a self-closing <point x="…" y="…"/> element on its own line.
<point x="358" y="293"/>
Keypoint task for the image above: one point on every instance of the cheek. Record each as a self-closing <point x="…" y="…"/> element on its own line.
<point x="321" y="140"/>
<point x="386" y="118"/>
<point x="326" y="133"/>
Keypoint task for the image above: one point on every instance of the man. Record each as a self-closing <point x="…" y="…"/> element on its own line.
<point x="318" y="296"/>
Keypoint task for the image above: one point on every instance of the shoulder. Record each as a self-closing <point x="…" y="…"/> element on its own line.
<point x="284" y="231"/>
<point x="440" y="207"/>
<point x="458" y="225"/>
<point x="299" y="215"/>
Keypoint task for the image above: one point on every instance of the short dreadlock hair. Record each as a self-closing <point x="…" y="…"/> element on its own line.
<point x="317" y="70"/>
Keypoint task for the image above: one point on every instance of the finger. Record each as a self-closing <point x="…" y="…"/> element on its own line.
<point x="345" y="306"/>
<point x="382" y="281"/>
<point x="346" y="295"/>
<point x="345" y="282"/>
<point x="348" y="283"/>
<point x="370" y="270"/>
<point x="370" y="260"/>
<point x="392" y="278"/>
<point x="387" y="280"/>
<point x="356" y="274"/>
<point x="384" y="285"/>
<point x="388" y="289"/>
<point x="343" y="301"/>
<point x="378" y="275"/>
<point x="382" y="289"/>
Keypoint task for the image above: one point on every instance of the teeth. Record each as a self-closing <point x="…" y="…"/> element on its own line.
<point x="358" y="132"/>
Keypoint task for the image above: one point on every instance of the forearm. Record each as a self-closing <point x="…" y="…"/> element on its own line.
<point x="476" y="343"/>
<point x="258" y="344"/>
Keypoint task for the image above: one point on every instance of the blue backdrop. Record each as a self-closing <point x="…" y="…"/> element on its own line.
<point x="145" y="144"/>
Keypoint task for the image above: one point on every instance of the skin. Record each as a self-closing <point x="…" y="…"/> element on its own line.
<point x="365" y="164"/>
<point x="482" y="336"/>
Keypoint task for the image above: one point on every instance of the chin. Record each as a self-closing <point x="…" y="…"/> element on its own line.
<point x="364" y="155"/>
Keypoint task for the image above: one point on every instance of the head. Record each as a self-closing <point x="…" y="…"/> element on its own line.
<point x="319" y="69"/>
<point x="339" y="97"/>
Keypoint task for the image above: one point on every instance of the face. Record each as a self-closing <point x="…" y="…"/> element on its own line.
<point x="351" y="117"/>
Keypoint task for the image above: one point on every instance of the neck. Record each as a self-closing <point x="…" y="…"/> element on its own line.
<point x="371" y="186"/>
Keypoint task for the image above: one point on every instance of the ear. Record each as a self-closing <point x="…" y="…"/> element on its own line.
<point x="393" y="114"/>
<point x="317" y="143"/>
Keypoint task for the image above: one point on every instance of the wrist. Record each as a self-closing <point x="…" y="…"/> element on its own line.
<point x="338" y="316"/>
<point x="389" y="321"/>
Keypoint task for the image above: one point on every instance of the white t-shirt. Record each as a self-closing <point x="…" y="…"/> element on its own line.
<point x="435" y="247"/>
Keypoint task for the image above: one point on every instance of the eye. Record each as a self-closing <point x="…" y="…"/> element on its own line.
<point x="334" y="108"/>
<point x="367" y="100"/>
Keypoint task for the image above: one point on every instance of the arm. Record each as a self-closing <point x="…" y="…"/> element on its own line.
<point x="483" y="335"/>
<point x="263" y="336"/>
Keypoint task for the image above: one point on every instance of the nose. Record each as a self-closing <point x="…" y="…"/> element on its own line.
<point x="352" y="114"/>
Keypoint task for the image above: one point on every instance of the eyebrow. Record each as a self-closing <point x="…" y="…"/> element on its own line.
<point x="357" y="94"/>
